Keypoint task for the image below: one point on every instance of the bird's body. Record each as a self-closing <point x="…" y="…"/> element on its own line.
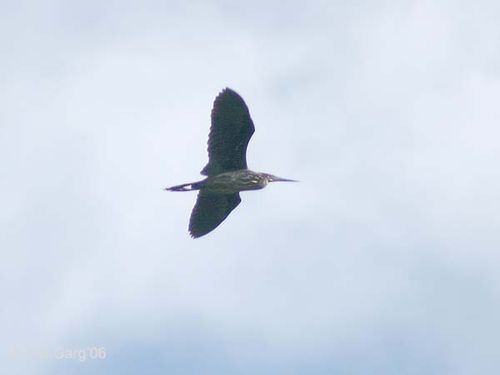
<point x="226" y="171"/>
<point x="229" y="182"/>
<point x="236" y="181"/>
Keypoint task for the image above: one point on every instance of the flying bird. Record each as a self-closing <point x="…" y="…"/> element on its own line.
<point x="227" y="172"/>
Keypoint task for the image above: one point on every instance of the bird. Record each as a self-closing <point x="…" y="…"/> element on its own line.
<point x="226" y="172"/>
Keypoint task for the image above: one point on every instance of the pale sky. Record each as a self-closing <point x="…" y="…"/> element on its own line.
<point x="384" y="259"/>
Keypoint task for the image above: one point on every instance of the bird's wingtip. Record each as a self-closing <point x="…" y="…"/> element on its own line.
<point x="228" y="90"/>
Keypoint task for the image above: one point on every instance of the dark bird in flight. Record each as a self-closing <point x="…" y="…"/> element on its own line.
<point x="227" y="172"/>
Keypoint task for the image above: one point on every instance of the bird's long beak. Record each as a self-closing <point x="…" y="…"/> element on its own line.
<point x="275" y="178"/>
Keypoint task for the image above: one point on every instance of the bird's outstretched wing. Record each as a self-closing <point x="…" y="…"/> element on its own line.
<point x="210" y="210"/>
<point x="230" y="132"/>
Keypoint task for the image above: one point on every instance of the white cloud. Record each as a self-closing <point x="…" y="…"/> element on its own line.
<point x="383" y="257"/>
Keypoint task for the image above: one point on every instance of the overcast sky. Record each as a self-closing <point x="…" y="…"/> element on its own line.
<point x="384" y="259"/>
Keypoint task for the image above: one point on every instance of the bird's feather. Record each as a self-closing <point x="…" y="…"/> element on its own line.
<point x="230" y="132"/>
<point x="210" y="210"/>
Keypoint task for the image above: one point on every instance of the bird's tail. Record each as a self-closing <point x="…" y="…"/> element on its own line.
<point x="186" y="187"/>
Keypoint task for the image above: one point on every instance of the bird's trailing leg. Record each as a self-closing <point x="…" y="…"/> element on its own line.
<point x="186" y="187"/>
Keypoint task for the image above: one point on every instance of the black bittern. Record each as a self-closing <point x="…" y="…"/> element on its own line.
<point x="226" y="171"/>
